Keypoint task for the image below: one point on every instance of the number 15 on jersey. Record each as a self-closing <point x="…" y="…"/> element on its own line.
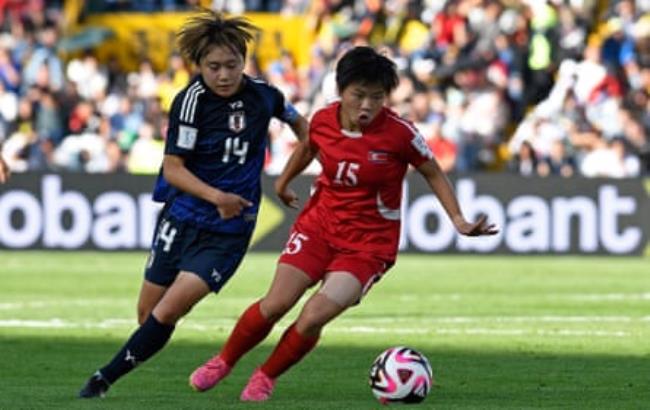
<point x="346" y="173"/>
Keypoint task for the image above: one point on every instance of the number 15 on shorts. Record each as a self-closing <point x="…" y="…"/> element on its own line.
<point x="294" y="244"/>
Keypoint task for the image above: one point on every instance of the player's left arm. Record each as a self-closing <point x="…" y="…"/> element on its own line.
<point x="441" y="186"/>
<point x="300" y="127"/>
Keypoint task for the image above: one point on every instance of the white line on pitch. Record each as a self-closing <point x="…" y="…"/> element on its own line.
<point x="585" y="297"/>
<point x="57" y="323"/>
<point x="481" y="331"/>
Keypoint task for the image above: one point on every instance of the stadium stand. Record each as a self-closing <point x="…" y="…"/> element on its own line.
<point x="535" y="87"/>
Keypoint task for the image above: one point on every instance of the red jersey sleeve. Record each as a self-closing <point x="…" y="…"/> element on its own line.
<point x="415" y="148"/>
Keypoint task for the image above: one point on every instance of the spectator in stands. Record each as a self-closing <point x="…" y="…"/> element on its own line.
<point x="610" y="159"/>
<point x="9" y="75"/>
<point x="146" y="153"/>
<point x="557" y="162"/>
<point x="44" y="67"/>
<point x="17" y="147"/>
<point x="524" y="162"/>
<point x="444" y="150"/>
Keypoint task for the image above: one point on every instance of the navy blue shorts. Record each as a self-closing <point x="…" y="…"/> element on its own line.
<point x="178" y="246"/>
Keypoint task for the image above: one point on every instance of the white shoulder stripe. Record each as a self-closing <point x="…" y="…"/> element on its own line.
<point x="186" y="99"/>
<point x="405" y="123"/>
<point x="193" y="110"/>
<point x="418" y="141"/>
<point x="188" y="108"/>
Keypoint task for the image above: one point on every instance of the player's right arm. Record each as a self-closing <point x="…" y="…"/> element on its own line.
<point x="175" y="172"/>
<point x="302" y="156"/>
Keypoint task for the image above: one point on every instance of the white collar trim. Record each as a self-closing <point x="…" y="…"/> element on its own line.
<point x="351" y="134"/>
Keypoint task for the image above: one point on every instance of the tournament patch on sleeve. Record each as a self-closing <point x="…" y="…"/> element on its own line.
<point x="186" y="137"/>
<point x="421" y="146"/>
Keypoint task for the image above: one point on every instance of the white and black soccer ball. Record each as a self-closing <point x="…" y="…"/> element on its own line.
<point x="401" y="375"/>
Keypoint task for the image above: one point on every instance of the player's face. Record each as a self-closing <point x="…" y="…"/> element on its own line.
<point x="360" y="104"/>
<point x="222" y="70"/>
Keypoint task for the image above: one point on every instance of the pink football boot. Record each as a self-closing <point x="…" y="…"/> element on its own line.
<point x="259" y="387"/>
<point x="208" y="375"/>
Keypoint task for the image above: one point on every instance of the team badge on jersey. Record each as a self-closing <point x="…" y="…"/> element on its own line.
<point x="378" y="157"/>
<point x="237" y="121"/>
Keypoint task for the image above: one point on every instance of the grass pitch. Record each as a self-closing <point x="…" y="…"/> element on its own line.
<point x="500" y="332"/>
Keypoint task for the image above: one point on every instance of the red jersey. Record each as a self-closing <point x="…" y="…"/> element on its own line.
<point x="357" y="201"/>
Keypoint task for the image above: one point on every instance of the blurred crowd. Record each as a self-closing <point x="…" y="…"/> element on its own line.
<point x="534" y="87"/>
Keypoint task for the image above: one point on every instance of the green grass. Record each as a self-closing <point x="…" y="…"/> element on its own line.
<point x="500" y="332"/>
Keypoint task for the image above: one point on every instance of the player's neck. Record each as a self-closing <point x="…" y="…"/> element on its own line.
<point x="347" y="124"/>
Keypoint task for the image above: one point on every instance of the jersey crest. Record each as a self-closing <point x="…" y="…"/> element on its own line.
<point x="237" y="121"/>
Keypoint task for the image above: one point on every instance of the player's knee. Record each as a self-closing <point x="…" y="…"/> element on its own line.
<point x="167" y="316"/>
<point x="308" y="327"/>
<point x="142" y="316"/>
<point x="274" y="308"/>
<point x="311" y="321"/>
<point x="143" y="313"/>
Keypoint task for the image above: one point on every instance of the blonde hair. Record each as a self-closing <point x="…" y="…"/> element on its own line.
<point x="210" y="28"/>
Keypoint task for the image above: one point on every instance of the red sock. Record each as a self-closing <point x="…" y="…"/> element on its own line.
<point x="291" y="348"/>
<point x="251" y="328"/>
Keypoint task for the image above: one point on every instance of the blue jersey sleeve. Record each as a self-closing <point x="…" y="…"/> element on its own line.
<point x="284" y="110"/>
<point x="182" y="133"/>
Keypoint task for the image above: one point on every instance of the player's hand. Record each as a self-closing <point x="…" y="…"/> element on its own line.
<point x="286" y="194"/>
<point x="289" y="198"/>
<point x="231" y="205"/>
<point x="479" y="228"/>
<point x="4" y="171"/>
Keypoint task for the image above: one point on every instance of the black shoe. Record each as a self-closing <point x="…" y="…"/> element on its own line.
<point x="96" y="386"/>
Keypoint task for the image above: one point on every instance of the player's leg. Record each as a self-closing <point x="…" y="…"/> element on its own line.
<point x="161" y="267"/>
<point x="152" y="335"/>
<point x="150" y="295"/>
<point x="339" y="291"/>
<point x="289" y="284"/>
<point x="299" y="267"/>
<point x="161" y="273"/>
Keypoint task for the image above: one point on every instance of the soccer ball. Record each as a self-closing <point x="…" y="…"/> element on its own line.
<point x="401" y="375"/>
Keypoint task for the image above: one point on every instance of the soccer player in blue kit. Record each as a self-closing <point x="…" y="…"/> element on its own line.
<point x="210" y="184"/>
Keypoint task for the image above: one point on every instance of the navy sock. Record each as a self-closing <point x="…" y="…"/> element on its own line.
<point x="144" y="343"/>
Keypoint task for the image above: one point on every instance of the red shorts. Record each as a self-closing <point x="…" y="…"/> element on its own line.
<point x="316" y="257"/>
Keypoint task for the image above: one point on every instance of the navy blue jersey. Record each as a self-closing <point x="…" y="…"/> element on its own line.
<point x="223" y="142"/>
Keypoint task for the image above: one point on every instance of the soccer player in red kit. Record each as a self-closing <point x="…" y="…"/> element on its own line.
<point x="347" y="235"/>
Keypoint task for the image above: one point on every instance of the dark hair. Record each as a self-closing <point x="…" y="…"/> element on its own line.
<point x="364" y="65"/>
<point x="209" y="28"/>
